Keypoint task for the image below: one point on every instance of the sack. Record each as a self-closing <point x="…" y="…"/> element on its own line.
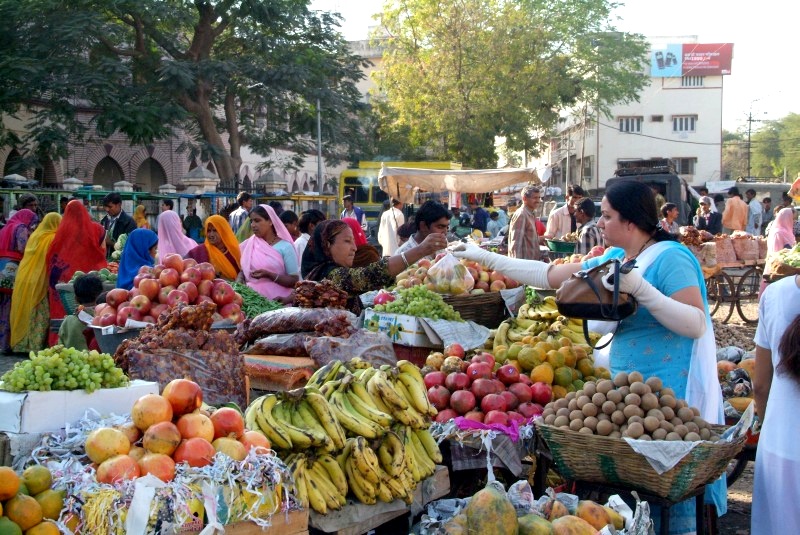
<point x="584" y="296"/>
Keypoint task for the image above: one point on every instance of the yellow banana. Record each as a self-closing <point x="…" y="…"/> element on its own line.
<point x="405" y="366"/>
<point x="324" y="374"/>
<point x="301" y="439"/>
<point x="343" y="455"/>
<point x="430" y="445"/>
<point x="300" y="488"/>
<point x="391" y="454"/>
<point x="500" y="338"/>
<point x="326" y="487"/>
<point x="373" y="392"/>
<point x="411" y="460"/>
<point x="428" y="467"/>
<point x="387" y="393"/>
<point x="522" y="311"/>
<point x="250" y="413"/>
<point x="275" y="432"/>
<point x="360" y="462"/>
<point x="320" y="407"/>
<point x="384" y="494"/>
<point x="416" y="389"/>
<point x="335" y="472"/>
<point x="307" y="417"/>
<point x="315" y="498"/>
<point x="397" y="489"/>
<point x="380" y="418"/>
<point x="366" y="375"/>
<point x="361" y="489"/>
<point x="415" y="419"/>
<point x="351" y="420"/>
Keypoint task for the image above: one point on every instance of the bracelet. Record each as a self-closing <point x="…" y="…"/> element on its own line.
<point x="405" y="260"/>
<point x="275" y="278"/>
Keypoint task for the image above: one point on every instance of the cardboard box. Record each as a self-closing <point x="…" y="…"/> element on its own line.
<point x="43" y="412"/>
<point x="400" y="328"/>
<point x="291" y="523"/>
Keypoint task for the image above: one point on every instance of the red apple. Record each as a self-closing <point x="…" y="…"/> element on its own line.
<point x="163" y="294"/>
<point x="169" y="277"/>
<point x="232" y="312"/>
<point x="237" y="299"/>
<point x="190" y="289"/>
<point x="207" y="271"/>
<point x="149" y="287"/>
<point x="496" y="276"/>
<point x="174" y="261"/>
<point x="141" y="303"/>
<point x="156" y="270"/>
<point x="205" y="287"/>
<point x="133" y="292"/>
<point x="100" y="308"/>
<point x="148" y="319"/>
<point x="146" y="270"/>
<point x="123" y="304"/>
<point x="125" y="313"/>
<point x="156" y="310"/>
<point x="541" y="393"/>
<point x="189" y="262"/>
<point x="222" y="294"/>
<point x="177" y="296"/>
<point x="105" y="319"/>
<point x="191" y="274"/>
<point x="116" y="296"/>
<point x="496" y="286"/>
<point x="204" y="299"/>
<point x="482" y="285"/>
<point x="454" y="350"/>
<point x="138" y="278"/>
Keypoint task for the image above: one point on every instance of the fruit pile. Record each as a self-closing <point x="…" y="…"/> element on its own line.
<point x="60" y="368"/>
<point x="119" y="246"/>
<point x="484" y="280"/>
<point x="359" y="429"/>
<point x="175" y="280"/>
<point x="166" y="430"/>
<point x="480" y="389"/>
<point x="105" y="275"/>
<point x="630" y="407"/>
<point x="421" y="302"/>
<point x="312" y="294"/>
<point x="28" y="503"/>
<point x="597" y="250"/>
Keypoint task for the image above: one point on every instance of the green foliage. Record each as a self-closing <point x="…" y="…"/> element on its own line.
<point x="251" y="70"/>
<point x="773" y="150"/>
<point x="456" y="74"/>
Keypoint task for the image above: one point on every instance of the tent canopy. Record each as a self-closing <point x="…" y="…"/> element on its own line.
<point x="403" y="183"/>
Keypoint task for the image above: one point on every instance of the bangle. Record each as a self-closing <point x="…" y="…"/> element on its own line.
<point x="405" y="260"/>
<point x="275" y="278"/>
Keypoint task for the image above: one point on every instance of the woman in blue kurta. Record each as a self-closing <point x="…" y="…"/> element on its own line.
<point x="670" y="335"/>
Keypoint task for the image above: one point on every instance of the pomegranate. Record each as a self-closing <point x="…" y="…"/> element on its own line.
<point x="162" y="437"/>
<point x="117" y="468"/>
<point x="227" y="423"/>
<point x="462" y="401"/>
<point x="454" y="350"/>
<point x="160" y="465"/>
<point x="195" y="452"/>
<point x="513" y="415"/>
<point x="452" y="364"/>
<point x="511" y="400"/>
<point x="106" y="442"/>
<point x="541" y="393"/>
<point x="434" y="379"/>
<point x="508" y="374"/>
<point x="439" y="397"/>
<point x="184" y="395"/>
<point x="493" y="402"/>
<point x="195" y="424"/>
<point x="529" y="410"/>
<point x="482" y="387"/>
<point x="457" y="381"/>
<point x="521" y="391"/>
<point x="150" y="409"/>
<point x="479" y="370"/>
<point x="230" y="447"/>
<point x="496" y="417"/>
<point x="255" y="439"/>
<point x="524" y="379"/>
<point x="446" y="415"/>
<point x="435" y="360"/>
<point x="484" y="357"/>
<point x="475" y="416"/>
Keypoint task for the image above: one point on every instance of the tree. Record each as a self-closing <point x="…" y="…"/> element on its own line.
<point x="240" y="72"/>
<point x="458" y="73"/>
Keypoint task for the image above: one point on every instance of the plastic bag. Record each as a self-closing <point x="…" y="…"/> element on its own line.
<point x="521" y="496"/>
<point x="375" y="348"/>
<point x="449" y="276"/>
<point x="283" y="345"/>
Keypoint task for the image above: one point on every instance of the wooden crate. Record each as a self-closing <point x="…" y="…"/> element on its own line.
<point x="292" y="523"/>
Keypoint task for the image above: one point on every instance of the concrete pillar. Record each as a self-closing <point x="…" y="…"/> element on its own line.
<point x="72" y="183"/>
<point x="121" y="186"/>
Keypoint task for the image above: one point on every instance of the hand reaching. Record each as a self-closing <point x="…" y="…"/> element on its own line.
<point x="630" y="283"/>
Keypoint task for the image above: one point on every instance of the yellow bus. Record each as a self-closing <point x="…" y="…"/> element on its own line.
<point x="362" y="183"/>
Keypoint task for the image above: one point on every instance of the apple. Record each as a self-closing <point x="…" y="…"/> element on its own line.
<point x="156" y="270"/>
<point x="232" y="311"/>
<point x="204" y="299"/>
<point x="476" y="291"/>
<point x="169" y="277"/>
<point x="174" y="261"/>
<point x="205" y="287"/>
<point x="383" y="297"/>
<point x="138" y="278"/>
<point x="177" y="296"/>
<point x="148" y="319"/>
<point x="125" y="313"/>
<point x="597" y="250"/>
<point x="424" y="263"/>
<point x="496" y="276"/>
<point x="116" y="296"/>
<point x="207" y="271"/>
<point x="511" y="283"/>
<point x="454" y="350"/>
<point x="222" y="294"/>
<point x="482" y="285"/>
<point x="189" y="262"/>
<point x="149" y="288"/>
<point x="157" y="309"/>
<point x="496" y="286"/>
<point x="145" y="270"/>
<point x="100" y="308"/>
<point x="191" y="274"/>
<point x="141" y="303"/>
<point x="484" y="276"/>
<point x="190" y="289"/>
<point x="473" y="273"/>
<point x="123" y="304"/>
<point x="237" y="299"/>
<point x="105" y="319"/>
<point x="133" y="292"/>
<point x="163" y="294"/>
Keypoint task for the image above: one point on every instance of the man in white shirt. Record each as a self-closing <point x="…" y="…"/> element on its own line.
<point x="562" y="220"/>
<point x="391" y="220"/>
<point x="238" y="216"/>
<point x="754" y="213"/>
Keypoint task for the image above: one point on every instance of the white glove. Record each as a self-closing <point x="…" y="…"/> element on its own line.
<point x="530" y="272"/>
<point x="680" y="318"/>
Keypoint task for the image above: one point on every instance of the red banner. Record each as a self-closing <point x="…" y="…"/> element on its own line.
<point x="706" y="59"/>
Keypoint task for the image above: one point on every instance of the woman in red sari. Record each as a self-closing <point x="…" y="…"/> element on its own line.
<point x="13" y="239"/>
<point x="78" y="246"/>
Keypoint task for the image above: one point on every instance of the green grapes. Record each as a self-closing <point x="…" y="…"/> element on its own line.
<point x="60" y="368"/>
<point x="421" y="302"/>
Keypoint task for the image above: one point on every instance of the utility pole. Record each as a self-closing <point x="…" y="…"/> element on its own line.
<point x="750" y="122"/>
<point x="319" y="149"/>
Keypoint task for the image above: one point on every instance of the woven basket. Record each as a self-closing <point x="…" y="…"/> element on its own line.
<point x="599" y="459"/>
<point x="746" y="249"/>
<point x="487" y="309"/>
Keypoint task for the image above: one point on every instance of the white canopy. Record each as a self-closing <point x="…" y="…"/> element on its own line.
<point x="403" y="182"/>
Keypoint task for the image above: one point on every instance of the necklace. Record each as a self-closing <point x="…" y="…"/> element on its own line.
<point x="644" y="245"/>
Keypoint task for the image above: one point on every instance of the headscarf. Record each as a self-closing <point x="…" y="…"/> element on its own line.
<point x="78" y="246"/>
<point x="171" y="238"/>
<point x="781" y="232"/>
<point x="358" y="233"/>
<point x="135" y="255"/>
<point x="22" y="218"/>
<point x="30" y="284"/>
<point x="217" y="257"/>
<point x="709" y="202"/>
<point x="258" y="254"/>
<point x="317" y="262"/>
<point x="140" y="218"/>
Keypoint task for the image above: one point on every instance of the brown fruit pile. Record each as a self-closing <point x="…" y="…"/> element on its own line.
<point x="311" y="294"/>
<point x="630" y="407"/>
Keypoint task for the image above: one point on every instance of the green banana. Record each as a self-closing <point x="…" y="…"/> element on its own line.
<point x="301" y="439"/>
<point x="380" y="418"/>
<point x="306" y="419"/>
<point x="266" y="421"/>
<point x="351" y="420"/>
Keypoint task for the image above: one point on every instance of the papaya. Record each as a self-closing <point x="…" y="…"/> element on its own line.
<point x="616" y="518"/>
<point x="572" y="525"/>
<point x="457" y="525"/>
<point x="534" y="525"/>
<point x="593" y="513"/>
<point x="740" y="404"/>
<point x="555" y="509"/>
<point x="490" y="511"/>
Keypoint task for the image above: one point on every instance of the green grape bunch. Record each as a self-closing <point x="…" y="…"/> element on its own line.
<point x="64" y="368"/>
<point x="421" y="302"/>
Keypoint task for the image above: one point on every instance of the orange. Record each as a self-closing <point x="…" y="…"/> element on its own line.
<point x="543" y="373"/>
<point x="44" y="528"/>
<point x="559" y="392"/>
<point x="37" y="478"/>
<point x="555" y="359"/>
<point x="563" y="377"/>
<point x="586" y="367"/>
<point x="7" y="527"/>
<point x="602" y="373"/>
<point x="9" y="483"/>
<point x="580" y="353"/>
<point x="52" y="502"/>
<point x="527" y="340"/>
<point x="564" y="341"/>
<point x="23" y="511"/>
<point x="529" y="358"/>
<point x="569" y="356"/>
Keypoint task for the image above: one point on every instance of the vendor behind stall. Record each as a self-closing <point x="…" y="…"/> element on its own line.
<point x="431" y="218"/>
<point x="221" y="248"/>
<point x="140" y="250"/>
<point x="330" y="255"/>
<point x="71" y="333"/>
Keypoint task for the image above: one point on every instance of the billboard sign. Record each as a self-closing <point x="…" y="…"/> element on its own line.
<point x="691" y="59"/>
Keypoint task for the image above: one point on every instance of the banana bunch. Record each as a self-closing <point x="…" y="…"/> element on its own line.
<point x="572" y="328"/>
<point x="300" y="419"/>
<point x="545" y="309"/>
<point x="319" y="482"/>
<point x="357" y="363"/>
<point x="515" y="329"/>
<point x="400" y="392"/>
<point x="335" y="370"/>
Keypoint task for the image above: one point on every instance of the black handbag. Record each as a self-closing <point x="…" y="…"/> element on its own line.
<point x="584" y="296"/>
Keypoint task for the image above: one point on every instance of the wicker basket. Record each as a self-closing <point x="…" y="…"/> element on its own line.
<point x="487" y="309"/>
<point x="599" y="459"/>
<point x="746" y="249"/>
<point x="66" y="291"/>
<point x="561" y="246"/>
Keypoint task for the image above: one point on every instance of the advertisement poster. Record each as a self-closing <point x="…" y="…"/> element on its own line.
<point x="691" y="59"/>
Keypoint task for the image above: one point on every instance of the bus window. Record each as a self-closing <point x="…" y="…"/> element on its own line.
<point x="358" y="188"/>
<point x="378" y="195"/>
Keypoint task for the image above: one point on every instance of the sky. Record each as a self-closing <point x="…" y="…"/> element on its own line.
<point x="764" y="80"/>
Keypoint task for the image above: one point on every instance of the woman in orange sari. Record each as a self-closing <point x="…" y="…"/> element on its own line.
<point x="221" y="248"/>
<point x="77" y="246"/>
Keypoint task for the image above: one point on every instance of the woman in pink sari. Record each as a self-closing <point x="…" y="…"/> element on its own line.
<point x="779" y="237"/>
<point x="171" y="238"/>
<point x="269" y="259"/>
